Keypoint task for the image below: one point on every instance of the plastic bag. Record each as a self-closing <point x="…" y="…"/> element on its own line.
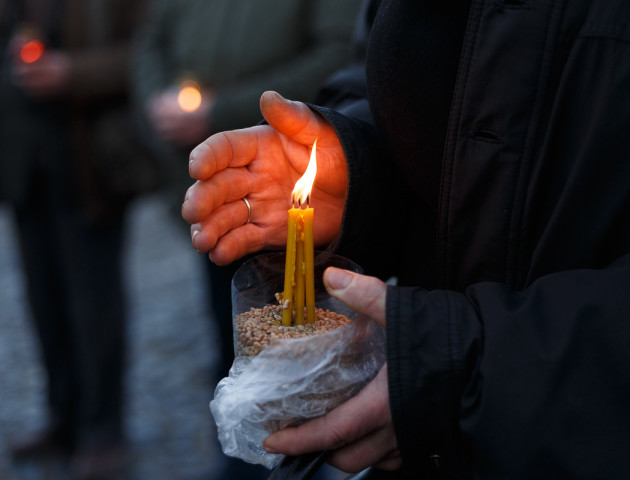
<point x="291" y="381"/>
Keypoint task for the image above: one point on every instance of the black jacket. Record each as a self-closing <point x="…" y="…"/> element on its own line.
<point x="509" y="337"/>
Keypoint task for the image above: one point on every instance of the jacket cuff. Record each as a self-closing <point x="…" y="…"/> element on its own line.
<point x="363" y="227"/>
<point x="426" y="352"/>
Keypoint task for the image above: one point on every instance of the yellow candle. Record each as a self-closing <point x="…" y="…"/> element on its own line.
<point x="309" y="268"/>
<point x="289" y="268"/>
<point x="299" y="274"/>
<point x="299" y="280"/>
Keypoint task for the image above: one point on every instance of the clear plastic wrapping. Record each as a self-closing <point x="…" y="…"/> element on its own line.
<point x="292" y="379"/>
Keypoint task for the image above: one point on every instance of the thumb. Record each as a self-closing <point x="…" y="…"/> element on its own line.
<point x="293" y="119"/>
<point x="363" y="294"/>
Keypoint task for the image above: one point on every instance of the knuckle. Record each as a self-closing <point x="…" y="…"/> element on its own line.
<point x="345" y="463"/>
<point x="336" y="435"/>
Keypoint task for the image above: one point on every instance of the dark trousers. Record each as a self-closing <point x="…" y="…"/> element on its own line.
<point x="74" y="285"/>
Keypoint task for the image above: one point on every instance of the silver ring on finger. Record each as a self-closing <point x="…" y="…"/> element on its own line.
<point x="249" y="210"/>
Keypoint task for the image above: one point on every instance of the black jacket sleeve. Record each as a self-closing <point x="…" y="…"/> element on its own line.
<point x="526" y="383"/>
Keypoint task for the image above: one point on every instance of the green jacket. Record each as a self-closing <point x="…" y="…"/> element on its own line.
<point x="240" y="48"/>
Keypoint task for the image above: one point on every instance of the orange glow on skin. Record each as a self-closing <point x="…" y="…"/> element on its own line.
<point x="31" y="51"/>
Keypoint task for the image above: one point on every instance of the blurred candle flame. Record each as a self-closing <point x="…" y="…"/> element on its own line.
<point x="189" y="97"/>
<point x="304" y="185"/>
<point x="31" y="51"/>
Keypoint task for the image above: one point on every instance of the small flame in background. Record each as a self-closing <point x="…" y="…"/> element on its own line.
<point x="189" y="97"/>
<point x="304" y="185"/>
<point x="31" y="51"/>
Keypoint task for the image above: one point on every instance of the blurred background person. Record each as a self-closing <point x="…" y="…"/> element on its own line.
<point x="63" y="74"/>
<point x="200" y="67"/>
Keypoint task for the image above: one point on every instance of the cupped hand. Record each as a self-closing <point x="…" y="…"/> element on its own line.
<point x="263" y="164"/>
<point x="359" y="433"/>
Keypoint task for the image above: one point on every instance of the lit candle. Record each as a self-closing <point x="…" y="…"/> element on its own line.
<point x="309" y="266"/>
<point x="189" y="96"/>
<point x="299" y="276"/>
<point x="300" y="281"/>
<point x="31" y="51"/>
<point x="289" y="268"/>
<point x="28" y="43"/>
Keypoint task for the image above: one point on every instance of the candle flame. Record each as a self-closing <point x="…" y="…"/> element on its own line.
<point x="189" y="97"/>
<point x="304" y="185"/>
<point x="31" y="51"/>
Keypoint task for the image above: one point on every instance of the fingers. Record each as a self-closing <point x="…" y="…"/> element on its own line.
<point x="234" y="148"/>
<point x="239" y="147"/>
<point x="205" y="197"/>
<point x="363" y="294"/>
<point x="293" y="119"/>
<point x="205" y="234"/>
<point x="237" y="243"/>
<point x="391" y="462"/>
<point x="359" y="431"/>
<point x="227" y="234"/>
<point x="368" y="451"/>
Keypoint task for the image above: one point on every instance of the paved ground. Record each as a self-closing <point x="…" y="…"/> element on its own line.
<point x="172" y="343"/>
